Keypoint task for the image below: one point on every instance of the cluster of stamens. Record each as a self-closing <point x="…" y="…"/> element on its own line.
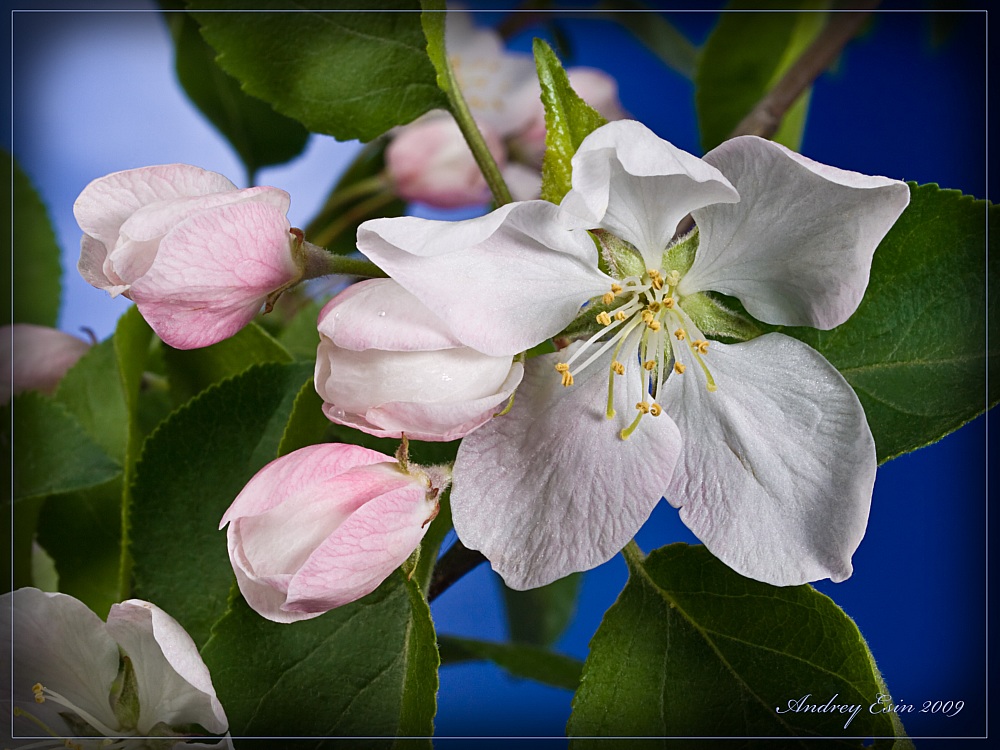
<point x="43" y="694"/>
<point x="641" y="322"/>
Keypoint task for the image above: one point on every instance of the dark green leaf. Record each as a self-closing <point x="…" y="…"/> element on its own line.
<point x="92" y="391"/>
<point x="35" y="265"/>
<point x="82" y="533"/>
<point x="743" y="58"/>
<point x="692" y="649"/>
<point x="347" y="74"/>
<point x="366" y="669"/>
<point x="260" y="135"/>
<point x="539" y="616"/>
<point x="52" y="452"/>
<point x="914" y="351"/>
<point x="191" y="470"/>
<point x="18" y="525"/>
<point x="660" y="36"/>
<point x="420" y="452"/>
<point x="300" y="337"/>
<point x="568" y="120"/>
<point x="307" y="424"/>
<point x="520" y="660"/>
<point x="193" y="370"/>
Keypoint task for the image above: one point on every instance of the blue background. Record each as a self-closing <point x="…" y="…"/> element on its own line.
<point x="95" y="93"/>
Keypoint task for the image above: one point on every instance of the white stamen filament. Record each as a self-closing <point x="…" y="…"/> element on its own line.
<point x="96" y="723"/>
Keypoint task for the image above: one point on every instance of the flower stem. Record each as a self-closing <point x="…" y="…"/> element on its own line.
<point x="433" y="19"/>
<point x="352" y="216"/>
<point x="452" y="565"/>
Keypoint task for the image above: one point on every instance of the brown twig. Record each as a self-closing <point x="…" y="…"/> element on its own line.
<point x="454" y="564"/>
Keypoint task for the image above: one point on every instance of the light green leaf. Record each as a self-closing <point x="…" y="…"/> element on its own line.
<point x="520" y="660"/>
<point x="92" y="391"/>
<point x="192" y="370"/>
<point x="568" y="120"/>
<point x="539" y="616"/>
<point x="300" y="336"/>
<point x="367" y="669"/>
<point x="191" y="470"/>
<point x="349" y="74"/>
<point x="259" y="135"/>
<point x="660" y="36"/>
<point x="52" y="452"/>
<point x="692" y="649"/>
<point x="915" y="349"/>
<point x="743" y="58"/>
<point x="82" y="533"/>
<point x="35" y="266"/>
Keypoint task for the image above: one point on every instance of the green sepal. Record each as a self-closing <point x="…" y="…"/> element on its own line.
<point x="568" y="120"/>
<point x="125" y="693"/>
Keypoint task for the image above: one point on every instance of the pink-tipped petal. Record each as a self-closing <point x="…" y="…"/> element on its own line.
<point x="107" y="202"/>
<point x="501" y="283"/>
<point x="173" y="683"/>
<point x="532" y="489"/>
<point x="797" y="248"/>
<point x="638" y="186"/>
<point x="778" y="463"/>
<point x="213" y="272"/>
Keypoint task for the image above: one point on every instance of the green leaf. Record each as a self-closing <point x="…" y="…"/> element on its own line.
<point x="307" y="424"/>
<point x="92" y="391"/>
<point x="300" y="337"/>
<point x="259" y="135"/>
<point x="52" y="452"/>
<point x="660" y="36"/>
<point x="82" y="533"/>
<point x="568" y="120"/>
<point x="367" y="669"/>
<point x="539" y="616"/>
<point x="192" y="370"/>
<point x="347" y="74"/>
<point x="35" y="266"/>
<point x="693" y="649"/>
<point x="191" y="470"/>
<point x="744" y="57"/>
<point x="520" y="660"/>
<point x="914" y="351"/>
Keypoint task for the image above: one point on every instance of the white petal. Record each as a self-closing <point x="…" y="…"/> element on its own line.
<point x="58" y="642"/>
<point x="778" y="464"/>
<point x="551" y="488"/>
<point x="797" y="249"/>
<point x="503" y="282"/>
<point x="638" y="186"/>
<point x="173" y="682"/>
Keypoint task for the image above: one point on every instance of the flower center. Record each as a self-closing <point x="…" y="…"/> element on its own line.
<point x="81" y="722"/>
<point x="649" y="324"/>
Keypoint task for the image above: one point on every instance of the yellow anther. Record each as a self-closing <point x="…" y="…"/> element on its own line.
<point x="37" y="690"/>
<point x="657" y="282"/>
<point x="643" y="406"/>
<point x="701" y="345"/>
<point x="653" y="273"/>
<point x="679" y="333"/>
<point x="656" y="410"/>
<point x="567" y="378"/>
<point x="653" y="307"/>
<point x="679" y="368"/>
<point x="604" y="319"/>
<point x="608" y="298"/>
<point x="616" y="288"/>
<point x="669" y="303"/>
<point x="649" y="364"/>
<point x="653" y="325"/>
<point x="647" y="317"/>
<point x="674" y="277"/>
<point x="619" y="316"/>
<point x="618" y="367"/>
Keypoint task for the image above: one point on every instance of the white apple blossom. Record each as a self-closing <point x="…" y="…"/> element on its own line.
<point x="106" y="685"/>
<point x="762" y="445"/>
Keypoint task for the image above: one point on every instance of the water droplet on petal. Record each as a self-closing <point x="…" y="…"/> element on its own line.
<point x="381" y="313"/>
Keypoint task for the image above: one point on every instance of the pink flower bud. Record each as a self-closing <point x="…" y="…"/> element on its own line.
<point x="429" y="161"/>
<point x="197" y="256"/>
<point x="324" y="526"/>
<point x="34" y="358"/>
<point x="387" y="365"/>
